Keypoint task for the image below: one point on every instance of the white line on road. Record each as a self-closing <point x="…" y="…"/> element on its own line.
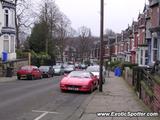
<point x="44" y="113"/>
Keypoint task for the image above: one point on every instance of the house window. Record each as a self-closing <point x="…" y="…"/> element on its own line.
<point x="12" y="44"/>
<point x="6" y="43"/>
<point x="155" y="49"/>
<point x="141" y="57"/>
<point x="146" y="57"/>
<point x="12" y="18"/>
<point x="6" y="18"/>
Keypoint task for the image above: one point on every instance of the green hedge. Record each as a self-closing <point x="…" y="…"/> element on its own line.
<point x="128" y="64"/>
<point x="21" y="54"/>
<point x="112" y="64"/>
<point x="42" y="58"/>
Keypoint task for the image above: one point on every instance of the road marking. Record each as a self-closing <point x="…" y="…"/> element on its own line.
<point x="44" y="113"/>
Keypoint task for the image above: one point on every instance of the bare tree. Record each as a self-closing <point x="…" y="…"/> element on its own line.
<point x="85" y="42"/>
<point x="63" y="33"/>
<point x="22" y="18"/>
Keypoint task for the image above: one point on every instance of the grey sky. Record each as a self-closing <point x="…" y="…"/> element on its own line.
<point x="118" y="13"/>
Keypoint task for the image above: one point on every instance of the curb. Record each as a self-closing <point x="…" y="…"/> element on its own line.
<point x="7" y="79"/>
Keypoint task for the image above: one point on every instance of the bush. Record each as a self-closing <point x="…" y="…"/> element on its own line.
<point x="42" y="58"/>
<point x="112" y="64"/>
<point x="128" y="64"/>
<point x="21" y="54"/>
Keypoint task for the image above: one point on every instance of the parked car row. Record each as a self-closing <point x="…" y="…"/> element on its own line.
<point x="33" y="72"/>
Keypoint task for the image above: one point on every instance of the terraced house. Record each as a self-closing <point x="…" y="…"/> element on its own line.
<point x="7" y="28"/>
<point x="140" y="42"/>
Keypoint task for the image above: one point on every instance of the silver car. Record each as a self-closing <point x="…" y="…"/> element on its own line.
<point x="58" y="69"/>
<point x="95" y="71"/>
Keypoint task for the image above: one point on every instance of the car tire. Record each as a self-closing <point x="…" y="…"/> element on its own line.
<point x="63" y="91"/>
<point x="32" y="77"/>
<point x="91" y="89"/>
<point x="18" y="77"/>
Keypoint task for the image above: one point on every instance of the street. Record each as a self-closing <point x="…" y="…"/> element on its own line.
<point x="38" y="100"/>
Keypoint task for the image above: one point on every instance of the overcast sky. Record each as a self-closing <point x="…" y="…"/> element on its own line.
<point x="118" y="13"/>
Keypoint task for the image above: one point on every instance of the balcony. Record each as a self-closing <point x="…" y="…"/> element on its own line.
<point x="8" y="30"/>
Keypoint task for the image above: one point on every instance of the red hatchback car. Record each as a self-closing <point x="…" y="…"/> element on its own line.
<point x="29" y="72"/>
<point x="79" y="81"/>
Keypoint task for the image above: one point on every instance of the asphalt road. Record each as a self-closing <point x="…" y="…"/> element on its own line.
<point x="38" y="100"/>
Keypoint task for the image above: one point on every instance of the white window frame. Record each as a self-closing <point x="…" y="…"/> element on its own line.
<point x="6" y="38"/>
<point x="12" y="44"/>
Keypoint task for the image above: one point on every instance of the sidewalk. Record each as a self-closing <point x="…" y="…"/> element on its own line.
<point x="8" y="79"/>
<point x="117" y="96"/>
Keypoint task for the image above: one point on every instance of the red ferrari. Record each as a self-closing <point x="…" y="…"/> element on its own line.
<point x="79" y="81"/>
<point x="29" y="72"/>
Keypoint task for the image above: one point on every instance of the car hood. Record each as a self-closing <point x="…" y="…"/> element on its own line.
<point x="75" y="81"/>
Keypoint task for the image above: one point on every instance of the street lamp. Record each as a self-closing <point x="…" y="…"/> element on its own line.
<point x="101" y="44"/>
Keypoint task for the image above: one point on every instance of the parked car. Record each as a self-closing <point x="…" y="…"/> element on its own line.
<point x="83" y="66"/>
<point x="69" y="68"/>
<point x="29" y="72"/>
<point x="58" y="69"/>
<point x="47" y="71"/>
<point x="95" y="71"/>
<point x="79" y="81"/>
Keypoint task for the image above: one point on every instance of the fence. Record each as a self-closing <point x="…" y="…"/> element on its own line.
<point x="146" y="87"/>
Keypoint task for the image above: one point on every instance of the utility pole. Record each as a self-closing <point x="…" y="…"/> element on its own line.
<point x="101" y="44"/>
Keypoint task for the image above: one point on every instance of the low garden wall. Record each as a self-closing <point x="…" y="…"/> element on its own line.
<point x="146" y="85"/>
<point x="15" y="65"/>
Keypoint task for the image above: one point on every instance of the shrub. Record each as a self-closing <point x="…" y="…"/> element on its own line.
<point x="21" y="54"/>
<point x="113" y="64"/>
<point x="128" y="64"/>
<point x="42" y="58"/>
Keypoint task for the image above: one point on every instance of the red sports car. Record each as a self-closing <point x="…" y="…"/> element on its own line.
<point x="79" y="81"/>
<point x="29" y="72"/>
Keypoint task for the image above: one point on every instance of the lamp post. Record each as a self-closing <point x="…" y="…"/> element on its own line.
<point x="101" y="44"/>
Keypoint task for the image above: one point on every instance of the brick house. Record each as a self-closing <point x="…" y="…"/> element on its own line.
<point x="142" y="50"/>
<point x="155" y="29"/>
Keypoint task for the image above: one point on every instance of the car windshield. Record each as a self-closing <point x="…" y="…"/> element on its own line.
<point x="46" y="68"/>
<point x="57" y="67"/>
<point x="70" y="66"/>
<point x="80" y="74"/>
<point x="93" y="69"/>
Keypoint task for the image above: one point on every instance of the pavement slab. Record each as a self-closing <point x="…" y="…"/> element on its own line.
<point x="118" y="97"/>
